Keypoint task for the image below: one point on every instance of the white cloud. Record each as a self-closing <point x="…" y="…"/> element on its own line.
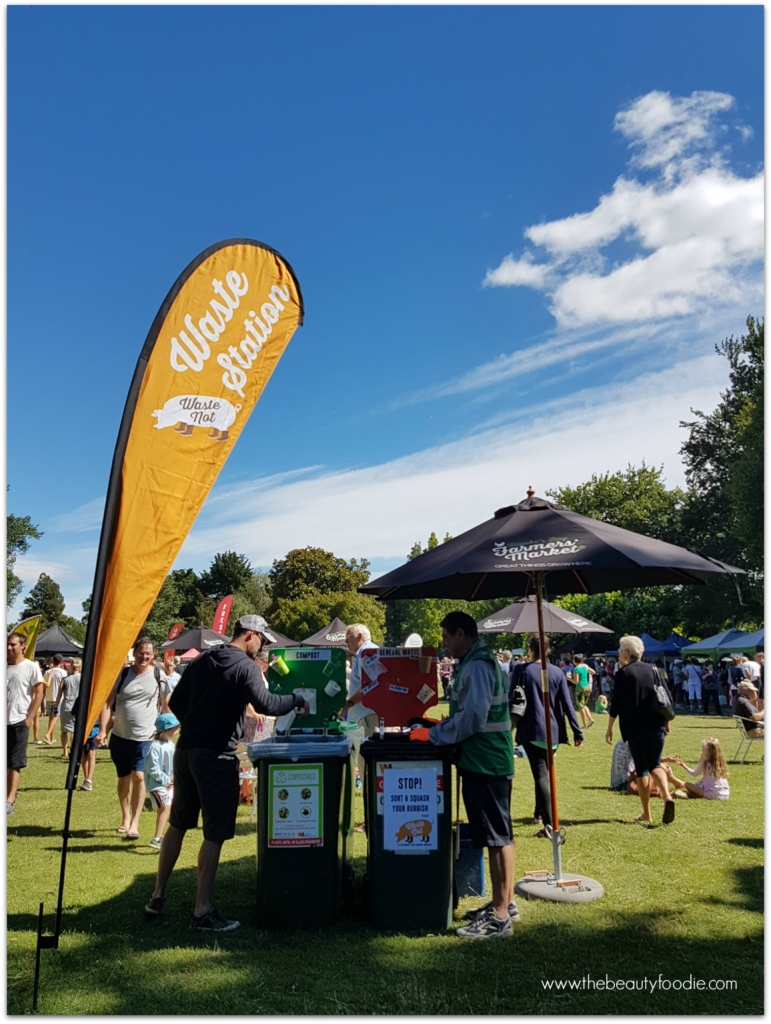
<point x="378" y="512"/>
<point x="79" y="520"/>
<point x="523" y="271"/>
<point x="695" y="230"/>
<point x="664" y="129"/>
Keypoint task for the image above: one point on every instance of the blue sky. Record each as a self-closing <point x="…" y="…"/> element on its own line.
<point x="519" y="232"/>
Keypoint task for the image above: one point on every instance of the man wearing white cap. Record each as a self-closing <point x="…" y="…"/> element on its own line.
<point x="210" y="702"/>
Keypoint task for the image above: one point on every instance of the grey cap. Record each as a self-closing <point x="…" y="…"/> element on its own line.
<point x="258" y="624"/>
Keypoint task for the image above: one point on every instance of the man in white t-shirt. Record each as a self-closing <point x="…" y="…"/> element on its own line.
<point x="53" y="681"/>
<point x="139" y="695"/>
<point x="752" y="668"/>
<point x="25" y="695"/>
<point x="693" y="682"/>
<point x="358" y="640"/>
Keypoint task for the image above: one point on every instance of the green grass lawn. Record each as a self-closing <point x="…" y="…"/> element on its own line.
<point x="680" y="901"/>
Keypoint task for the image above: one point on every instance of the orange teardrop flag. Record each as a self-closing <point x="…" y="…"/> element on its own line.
<point x="210" y="352"/>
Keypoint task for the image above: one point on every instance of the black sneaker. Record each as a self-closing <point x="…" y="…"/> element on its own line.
<point x="154" y="906"/>
<point x="486" y="926"/>
<point x="213" y="922"/>
<point x="486" y="908"/>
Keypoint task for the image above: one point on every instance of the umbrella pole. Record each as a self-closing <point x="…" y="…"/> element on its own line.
<point x="554" y="831"/>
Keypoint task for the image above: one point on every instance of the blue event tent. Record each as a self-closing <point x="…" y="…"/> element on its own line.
<point x="673" y="644"/>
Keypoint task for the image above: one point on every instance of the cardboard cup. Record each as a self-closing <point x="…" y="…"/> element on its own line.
<point x="328" y="669"/>
<point x="332" y="688"/>
<point x="424" y="662"/>
<point x="281" y="666"/>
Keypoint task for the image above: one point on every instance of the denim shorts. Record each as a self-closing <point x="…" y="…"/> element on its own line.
<point x="128" y="755"/>
<point x="487" y="799"/>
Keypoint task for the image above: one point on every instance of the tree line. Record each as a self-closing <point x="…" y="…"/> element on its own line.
<point x="719" y="513"/>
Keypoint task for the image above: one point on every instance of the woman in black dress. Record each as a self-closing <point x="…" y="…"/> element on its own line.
<point x="641" y="726"/>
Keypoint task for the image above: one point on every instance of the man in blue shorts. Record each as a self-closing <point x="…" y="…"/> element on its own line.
<point x="210" y="701"/>
<point x="140" y="693"/>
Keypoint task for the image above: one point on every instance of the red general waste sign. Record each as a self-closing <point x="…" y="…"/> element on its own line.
<point x="399" y="683"/>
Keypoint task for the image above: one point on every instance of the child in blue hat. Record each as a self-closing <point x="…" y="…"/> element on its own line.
<point x="159" y="772"/>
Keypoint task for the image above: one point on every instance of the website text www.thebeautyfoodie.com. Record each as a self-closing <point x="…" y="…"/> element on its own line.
<point x="646" y="984"/>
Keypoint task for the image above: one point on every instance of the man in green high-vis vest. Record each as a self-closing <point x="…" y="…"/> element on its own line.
<point x="479" y="724"/>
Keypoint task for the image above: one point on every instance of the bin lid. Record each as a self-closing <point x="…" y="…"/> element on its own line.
<point x="296" y="747"/>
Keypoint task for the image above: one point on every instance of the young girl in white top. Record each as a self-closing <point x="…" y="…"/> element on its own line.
<point x="713" y="770"/>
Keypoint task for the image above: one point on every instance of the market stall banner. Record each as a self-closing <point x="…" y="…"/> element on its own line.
<point x="210" y="352"/>
<point x="29" y="628"/>
<point x="220" y="621"/>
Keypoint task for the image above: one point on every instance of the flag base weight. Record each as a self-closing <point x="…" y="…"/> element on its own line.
<point x="543" y="885"/>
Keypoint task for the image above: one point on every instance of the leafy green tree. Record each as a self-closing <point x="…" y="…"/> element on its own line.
<point x="86" y="606"/>
<point x="256" y="594"/>
<point x="20" y="531"/>
<point x="723" y="516"/>
<point x="227" y="573"/>
<point x="300" y="617"/>
<point x="653" y="610"/>
<point x="191" y="596"/>
<point x="420" y="615"/>
<point x="635" y="499"/>
<point x="46" y="600"/>
<point x="75" y="628"/>
<point x="307" y="571"/>
<point x="164" y="613"/>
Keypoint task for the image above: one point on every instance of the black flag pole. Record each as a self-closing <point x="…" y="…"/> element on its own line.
<point x="89" y="653"/>
<point x="257" y="258"/>
<point x="109" y="519"/>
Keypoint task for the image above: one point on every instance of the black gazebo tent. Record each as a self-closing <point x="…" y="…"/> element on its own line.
<point x="332" y="635"/>
<point x="55" y="641"/>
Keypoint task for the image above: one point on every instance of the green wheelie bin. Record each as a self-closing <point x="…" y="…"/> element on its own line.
<point x="410" y="853"/>
<point x="304" y="829"/>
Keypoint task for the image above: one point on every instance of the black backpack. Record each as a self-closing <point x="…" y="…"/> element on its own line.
<point x="517" y="695"/>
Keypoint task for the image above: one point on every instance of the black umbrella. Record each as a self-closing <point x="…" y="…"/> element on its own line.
<point x="332" y="635"/>
<point x="516" y="550"/>
<point x="201" y="638"/>
<point x="522" y="617"/>
<point x="502" y="556"/>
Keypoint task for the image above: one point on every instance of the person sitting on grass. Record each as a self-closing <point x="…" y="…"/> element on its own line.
<point x="159" y="773"/>
<point x="712" y="768"/>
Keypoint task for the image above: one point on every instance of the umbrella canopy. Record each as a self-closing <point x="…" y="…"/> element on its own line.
<point x="577" y="554"/>
<point x="518" y="549"/>
<point x="747" y="642"/>
<point x="200" y="638"/>
<point x="522" y="617"/>
<point x="55" y="641"/>
<point x="332" y="635"/>
<point x="189" y="655"/>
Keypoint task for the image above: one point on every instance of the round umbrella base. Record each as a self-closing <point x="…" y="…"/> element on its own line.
<point x="541" y="885"/>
